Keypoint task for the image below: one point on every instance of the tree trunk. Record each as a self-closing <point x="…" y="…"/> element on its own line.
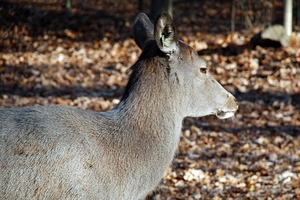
<point x="287" y="18"/>
<point x="157" y="6"/>
<point x="68" y="4"/>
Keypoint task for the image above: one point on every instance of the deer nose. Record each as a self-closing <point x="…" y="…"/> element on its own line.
<point x="236" y="105"/>
<point x="233" y="102"/>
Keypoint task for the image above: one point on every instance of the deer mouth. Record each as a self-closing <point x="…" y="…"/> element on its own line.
<point x="224" y="114"/>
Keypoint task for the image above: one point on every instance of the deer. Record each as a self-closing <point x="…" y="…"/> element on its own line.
<point x="60" y="152"/>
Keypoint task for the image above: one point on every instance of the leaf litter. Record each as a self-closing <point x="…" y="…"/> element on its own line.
<point x="81" y="58"/>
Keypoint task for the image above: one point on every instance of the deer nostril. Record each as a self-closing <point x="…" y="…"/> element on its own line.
<point x="237" y="105"/>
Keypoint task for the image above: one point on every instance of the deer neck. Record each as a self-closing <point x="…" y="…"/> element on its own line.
<point x="148" y="106"/>
<point x="149" y="111"/>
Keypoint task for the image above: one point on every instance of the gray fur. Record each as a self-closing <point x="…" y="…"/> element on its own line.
<point x="67" y="153"/>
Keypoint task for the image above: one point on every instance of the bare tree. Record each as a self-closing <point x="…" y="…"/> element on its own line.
<point x="68" y="4"/>
<point x="157" y="6"/>
<point x="287" y="16"/>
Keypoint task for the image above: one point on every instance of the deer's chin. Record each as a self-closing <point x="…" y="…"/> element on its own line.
<point x="225" y="114"/>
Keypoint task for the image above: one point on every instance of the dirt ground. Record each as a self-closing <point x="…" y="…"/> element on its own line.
<point x="80" y="58"/>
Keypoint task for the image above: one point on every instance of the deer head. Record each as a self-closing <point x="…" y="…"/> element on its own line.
<point x="190" y="84"/>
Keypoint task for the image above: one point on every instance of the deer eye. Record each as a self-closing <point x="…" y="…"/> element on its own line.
<point x="203" y="70"/>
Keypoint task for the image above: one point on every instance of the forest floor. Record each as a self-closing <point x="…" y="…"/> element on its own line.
<point x="80" y="58"/>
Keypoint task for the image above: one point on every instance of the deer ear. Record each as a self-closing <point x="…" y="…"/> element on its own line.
<point x="165" y="33"/>
<point x="143" y="30"/>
